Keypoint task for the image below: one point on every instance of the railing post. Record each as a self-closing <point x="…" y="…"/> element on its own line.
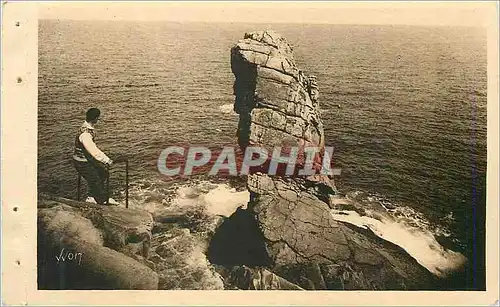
<point x="126" y="184"/>
<point x="78" y="181"/>
<point x="107" y="184"/>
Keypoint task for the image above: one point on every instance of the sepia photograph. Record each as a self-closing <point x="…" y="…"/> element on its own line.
<point x="262" y="146"/>
<point x="403" y="106"/>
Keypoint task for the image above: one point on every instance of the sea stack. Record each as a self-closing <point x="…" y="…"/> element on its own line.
<point x="278" y="106"/>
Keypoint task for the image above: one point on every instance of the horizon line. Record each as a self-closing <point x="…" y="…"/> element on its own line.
<point x="270" y="22"/>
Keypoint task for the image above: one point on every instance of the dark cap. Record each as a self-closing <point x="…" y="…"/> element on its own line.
<point x="92" y="114"/>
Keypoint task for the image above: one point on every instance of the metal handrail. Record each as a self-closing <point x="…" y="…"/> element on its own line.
<point x="126" y="183"/>
<point x="78" y="186"/>
<point x="107" y="184"/>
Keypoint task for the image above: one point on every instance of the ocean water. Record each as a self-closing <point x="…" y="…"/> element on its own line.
<point x="404" y="107"/>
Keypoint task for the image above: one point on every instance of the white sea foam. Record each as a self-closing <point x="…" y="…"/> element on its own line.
<point x="218" y="199"/>
<point x="420" y="243"/>
<point x="227" y="108"/>
<point x="400" y="225"/>
<point x="215" y="199"/>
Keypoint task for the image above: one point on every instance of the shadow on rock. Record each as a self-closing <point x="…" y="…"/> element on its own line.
<point x="239" y="241"/>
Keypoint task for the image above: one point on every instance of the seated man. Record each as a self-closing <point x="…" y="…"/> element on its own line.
<point x="90" y="161"/>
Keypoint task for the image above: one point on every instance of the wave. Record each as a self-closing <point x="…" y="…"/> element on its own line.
<point x="214" y="198"/>
<point x="403" y="226"/>
<point x="227" y="108"/>
<point x="218" y="199"/>
<point x="113" y="86"/>
<point x="408" y="229"/>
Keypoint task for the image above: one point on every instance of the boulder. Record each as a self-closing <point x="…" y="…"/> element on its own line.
<point x="121" y="228"/>
<point x="71" y="255"/>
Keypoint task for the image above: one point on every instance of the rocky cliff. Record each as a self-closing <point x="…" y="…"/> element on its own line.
<point x="278" y="106"/>
<point x="286" y="238"/>
<point x="86" y="246"/>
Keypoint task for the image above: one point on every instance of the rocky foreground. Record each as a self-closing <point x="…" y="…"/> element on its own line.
<point x="286" y="238"/>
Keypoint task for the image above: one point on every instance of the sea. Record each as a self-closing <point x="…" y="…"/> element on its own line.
<point x="403" y="106"/>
